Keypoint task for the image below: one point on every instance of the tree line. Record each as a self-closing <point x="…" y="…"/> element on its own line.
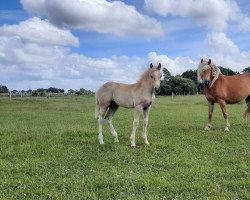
<point x="186" y="83"/>
<point x="44" y="91"/>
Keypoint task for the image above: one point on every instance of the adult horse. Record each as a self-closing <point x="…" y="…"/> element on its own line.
<point x="223" y="89"/>
<point x="139" y="96"/>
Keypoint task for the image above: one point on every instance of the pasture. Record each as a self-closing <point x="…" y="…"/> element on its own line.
<point x="49" y="150"/>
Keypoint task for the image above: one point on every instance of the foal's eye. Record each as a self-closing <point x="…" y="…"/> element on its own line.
<point x="151" y="76"/>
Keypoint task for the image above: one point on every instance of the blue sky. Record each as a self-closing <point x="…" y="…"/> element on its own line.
<point x="82" y="44"/>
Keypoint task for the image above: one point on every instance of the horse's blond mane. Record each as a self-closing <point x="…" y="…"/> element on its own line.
<point x="145" y="76"/>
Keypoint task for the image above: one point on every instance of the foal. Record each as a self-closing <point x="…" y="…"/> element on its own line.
<point x="223" y="89"/>
<point x="139" y="96"/>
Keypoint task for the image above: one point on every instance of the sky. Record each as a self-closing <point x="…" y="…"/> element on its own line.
<point x="73" y="44"/>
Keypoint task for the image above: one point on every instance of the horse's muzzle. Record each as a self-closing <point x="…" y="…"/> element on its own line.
<point x="157" y="90"/>
<point x="206" y="83"/>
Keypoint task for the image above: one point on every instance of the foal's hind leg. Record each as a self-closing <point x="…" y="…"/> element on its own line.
<point x="101" y="114"/>
<point x="112" y="109"/>
<point x="145" y="124"/>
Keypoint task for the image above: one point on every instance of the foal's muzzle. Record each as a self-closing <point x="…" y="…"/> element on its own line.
<point x="157" y="89"/>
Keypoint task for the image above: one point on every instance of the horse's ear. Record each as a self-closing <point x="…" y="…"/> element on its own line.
<point x="209" y="61"/>
<point x="159" y="66"/>
<point x="202" y="60"/>
<point x="151" y="66"/>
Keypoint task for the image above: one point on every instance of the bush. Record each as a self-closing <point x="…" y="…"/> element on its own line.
<point x="177" y="85"/>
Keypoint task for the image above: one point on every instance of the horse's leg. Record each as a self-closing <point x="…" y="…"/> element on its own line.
<point x="101" y="114"/>
<point x="112" y="109"/>
<point x="145" y="124"/>
<point x="135" y="124"/>
<point x="224" y="111"/>
<point x="210" y="113"/>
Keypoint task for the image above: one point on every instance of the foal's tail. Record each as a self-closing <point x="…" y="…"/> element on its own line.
<point x="96" y="107"/>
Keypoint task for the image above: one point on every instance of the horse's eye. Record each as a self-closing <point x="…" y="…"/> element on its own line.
<point x="151" y="76"/>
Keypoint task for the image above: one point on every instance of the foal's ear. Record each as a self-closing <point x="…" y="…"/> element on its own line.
<point x="209" y="61"/>
<point x="202" y="60"/>
<point x="159" y="66"/>
<point x="151" y="66"/>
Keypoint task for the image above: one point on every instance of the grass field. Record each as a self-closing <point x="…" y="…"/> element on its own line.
<point x="49" y="150"/>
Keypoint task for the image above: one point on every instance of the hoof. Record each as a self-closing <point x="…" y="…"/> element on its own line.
<point x="116" y="140"/>
<point x="226" y="129"/>
<point x="207" y="128"/>
<point x="133" y="145"/>
<point x="146" y="142"/>
<point x="101" y="142"/>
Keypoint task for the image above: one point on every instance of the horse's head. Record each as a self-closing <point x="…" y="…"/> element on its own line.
<point x="207" y="72"/>
<point x="155" y="76"/>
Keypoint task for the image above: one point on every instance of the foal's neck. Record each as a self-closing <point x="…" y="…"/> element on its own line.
<point x="147" y="87"/>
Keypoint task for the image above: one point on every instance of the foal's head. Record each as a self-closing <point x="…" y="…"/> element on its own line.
<point x="155" y="76"/>
<point x="207" y="72"/>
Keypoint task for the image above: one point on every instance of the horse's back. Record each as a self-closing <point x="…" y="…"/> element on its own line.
<point x="105" y="92"/>
<point x="235" y="88"/>
<point x="121" y="93"/>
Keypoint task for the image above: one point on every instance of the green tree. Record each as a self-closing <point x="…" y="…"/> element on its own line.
<point x="183" y="85"/>
<point x="165" y="88"/>
<point x="227" y="71"/>
<point x="247" y="69"/>
<point x="176" y="84"/>
<point x="3" y="89"/>
<point x="191" y="74"/>
<point x="55" y="90"/>
<point x="166" y="74"/>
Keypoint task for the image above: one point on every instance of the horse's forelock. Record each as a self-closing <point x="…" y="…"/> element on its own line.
<point x="202" y="67"/>
<point x="207" y="64"/>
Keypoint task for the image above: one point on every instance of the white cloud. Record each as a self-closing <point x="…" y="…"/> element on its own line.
<point x="25" y="65"/>
<point x="34" y="7"/>
<point x="101" y="16"/>
<point x="213" y="14"/>
<point x="175" y="66"/>
<point x="225" y="53"/>
<point x="40" y="66"/>
<point x="39" y="31"/>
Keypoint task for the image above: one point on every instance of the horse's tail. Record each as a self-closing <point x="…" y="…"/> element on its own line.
<point x="97" y="108"/>
<point x="247" y="112"/>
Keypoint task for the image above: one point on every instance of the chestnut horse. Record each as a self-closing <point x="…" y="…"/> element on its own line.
<point x="223" y="89"/>
<point x="139" y="95"/>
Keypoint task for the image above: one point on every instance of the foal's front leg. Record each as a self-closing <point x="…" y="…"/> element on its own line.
<point x="145" y="124"/>
<point x="224" y="111"/>
<point x="210" y="113"/>
<point x="135" y="124"/>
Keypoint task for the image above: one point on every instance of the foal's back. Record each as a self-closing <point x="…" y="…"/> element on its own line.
<point x="120" y="93"/>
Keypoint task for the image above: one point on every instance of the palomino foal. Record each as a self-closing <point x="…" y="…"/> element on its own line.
<point x="223" y="89"/>
<point x="139" y="96"/>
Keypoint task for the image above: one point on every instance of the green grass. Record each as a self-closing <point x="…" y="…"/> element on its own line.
<point x="49" y="150"/>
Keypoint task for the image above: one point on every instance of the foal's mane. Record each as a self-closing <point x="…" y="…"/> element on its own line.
<point x="146" y="75"/>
